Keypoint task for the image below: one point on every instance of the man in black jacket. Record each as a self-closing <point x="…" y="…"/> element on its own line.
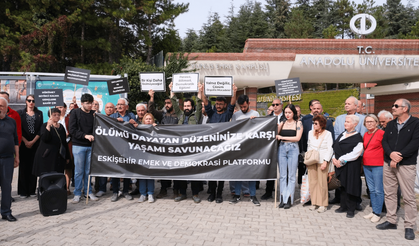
<point x="400" y="143"/>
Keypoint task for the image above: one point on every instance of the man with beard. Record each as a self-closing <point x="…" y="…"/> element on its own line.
<point x="189" y="116"/>
<point x="244" y="113"/>
<point x="222" y="113"/>
<point x="167" y="117"/>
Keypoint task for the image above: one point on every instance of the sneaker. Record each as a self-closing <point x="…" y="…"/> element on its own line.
<point x="76" y="199"/>
<point x="375" y="218"/>
<point x="255" y="200"/>
<point x="93" y="197"/>
<point x="150" y="198"/>
<point x="313" y="207"/>
<point x="141" y="199"/>
<point x="236" y="199"/>
<point x="114" y="197"/>
<point x="100" y="193"/>
<point x="369" y="216"/>
<point x="180" y="198"/>
<point x="321" y="209"/>
<point x="196" y="199"/>
<point x="127" y="196"/>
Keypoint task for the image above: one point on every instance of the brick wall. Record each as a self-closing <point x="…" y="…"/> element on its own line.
<point x="332" y="46"/>
<point x="368" y="102"/>
<point x="385" y="102"/>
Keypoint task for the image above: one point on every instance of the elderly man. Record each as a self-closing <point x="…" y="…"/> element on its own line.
<point x="14" y="115"/>
<point x="96" y="107"/>
<point x="121" y="115"/>
<point x="400" y="144"/>
<point x="384" y="117"/>
<point x="141" y="109"/>
<point x="109" y="109"/>
<point x="9" y="159"/>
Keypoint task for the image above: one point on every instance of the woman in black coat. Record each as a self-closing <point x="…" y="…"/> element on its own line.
<point x="32" y="120"/>
<point x="53" y="152"/>
<point x="348" y="148"/>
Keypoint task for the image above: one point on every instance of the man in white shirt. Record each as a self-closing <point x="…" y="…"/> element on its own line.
<point x="244" y="113"/>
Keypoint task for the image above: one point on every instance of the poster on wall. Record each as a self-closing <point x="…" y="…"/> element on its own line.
<point x="99" y="90"/>
<point x="15" y="88"/>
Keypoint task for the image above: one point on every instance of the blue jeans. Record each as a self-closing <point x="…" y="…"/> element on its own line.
<point x="252" y="187"/>
<point x="82" y="157"/>
<point x="6" y="176"/>
<point x="374" y="177"/>
<point x="244" y="184"/>
<point x="288" y="163"/>
<point x="146" y="187"/>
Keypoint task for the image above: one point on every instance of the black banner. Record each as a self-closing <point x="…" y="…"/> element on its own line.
<point x="48" y="97"/>
<point x="241" y="150"/>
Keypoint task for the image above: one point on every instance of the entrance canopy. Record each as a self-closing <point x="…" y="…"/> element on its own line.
<point x="315" y="61"/>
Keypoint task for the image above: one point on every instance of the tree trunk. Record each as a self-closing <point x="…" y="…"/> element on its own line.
<point x="150" y="46"/>
<point x="81" y="46"/>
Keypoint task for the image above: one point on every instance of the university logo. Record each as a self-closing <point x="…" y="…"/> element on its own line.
<point x="362" y="30"/>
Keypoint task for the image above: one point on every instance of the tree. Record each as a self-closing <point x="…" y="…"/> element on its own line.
<point x="277" y="15"/>
<point x="152" y="18"/>
<point x="323" y="16"/>
<point x="212" y="36"/>
<point x="344" y="13"/>
<point x="331" y="32"/>
<point x="190" y="41"/>
<point x="298" y="26"/>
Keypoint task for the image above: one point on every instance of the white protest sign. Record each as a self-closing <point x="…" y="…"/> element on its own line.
<point x="152" y="81"/>
<point x="218" y="85"/>
<point x="185" y="82"/>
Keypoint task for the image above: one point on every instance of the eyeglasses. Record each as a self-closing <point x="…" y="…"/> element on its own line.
<point x="315" y="123"/>
<point x="276" y="104"/>
<point x="30" y="101"/>
<point x="397" y="106"/>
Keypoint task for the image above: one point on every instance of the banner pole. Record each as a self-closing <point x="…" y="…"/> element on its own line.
<point x="88" y="187"/>
<point x="276" y="185"/>
<point x="75" y="85"/>
<point x="289" y="99"/>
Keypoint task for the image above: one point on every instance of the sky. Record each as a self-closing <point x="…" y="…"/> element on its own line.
<point x="200" y="10"/>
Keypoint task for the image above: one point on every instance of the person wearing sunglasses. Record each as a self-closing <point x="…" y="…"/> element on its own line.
<point x="32" y="120"/>
<point x="400" y="144"/>
<point x="278" y="112"/>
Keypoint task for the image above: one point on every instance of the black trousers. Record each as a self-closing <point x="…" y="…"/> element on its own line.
<point x="270" y="186"/>
<point x="183" y="185"/>
<point x="216" y="189"/>
<point x="165" y="184"/>
<point x="348" y="201"/>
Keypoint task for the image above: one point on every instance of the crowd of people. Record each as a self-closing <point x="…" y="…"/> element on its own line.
<point x="384" y="148"/>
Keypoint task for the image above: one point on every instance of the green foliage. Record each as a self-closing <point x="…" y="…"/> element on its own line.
<point x="98" y="68"/>
<point x="333" y="102"/>
<point x="299" y="26"/>
<point x="277" y="15"/>
<point x="331" y="32"/>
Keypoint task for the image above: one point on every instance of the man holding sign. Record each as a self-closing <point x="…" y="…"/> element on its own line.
<point x="222" y="113"/>
<point x="188" y="116"/>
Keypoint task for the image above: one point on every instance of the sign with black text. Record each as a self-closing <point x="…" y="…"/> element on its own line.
<point x="285" y="87"/>
<point x="118" y="86"/>
<point x="218" y="86"/>
<point x="152" y="81"/>
<point x="49" y="97"/>
<point x="185" y="82"/>
<point x="240" y="150"/>
<point x="77" y="75"/>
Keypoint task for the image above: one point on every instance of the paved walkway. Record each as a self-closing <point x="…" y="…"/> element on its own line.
<point x="185" y="223"/>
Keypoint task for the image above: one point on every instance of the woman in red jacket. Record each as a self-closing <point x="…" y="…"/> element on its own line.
<point x="373" y="166"/>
